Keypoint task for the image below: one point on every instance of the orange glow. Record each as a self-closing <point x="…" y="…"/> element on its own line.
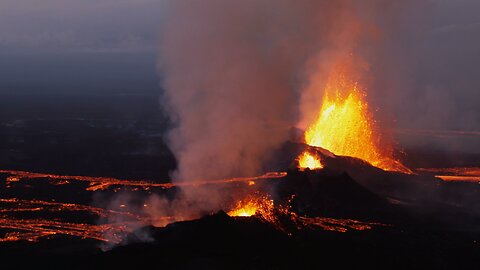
<point x="246" y="210"/>
<point x="307" y="160"/>
<point x="253" y="205"/>
<point x="346" y="127"/>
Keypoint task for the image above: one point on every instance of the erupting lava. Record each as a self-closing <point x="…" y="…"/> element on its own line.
<point x="310" y="161"/>
<point x="253" y="205"/>
<point x="345" y="126"/>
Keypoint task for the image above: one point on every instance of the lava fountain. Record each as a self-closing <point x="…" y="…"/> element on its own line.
<point x="346" y="127"/>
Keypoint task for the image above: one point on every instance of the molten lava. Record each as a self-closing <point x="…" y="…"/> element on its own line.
<point x="310" y="161"/>
<point x="346" y="127"/>
<point x="247" y="210"/>
<point x="17" y="226"/>
<point x="256" y="204"/>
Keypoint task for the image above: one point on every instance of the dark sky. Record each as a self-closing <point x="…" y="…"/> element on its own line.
<point x="41" y="40"/>
<point x="79" y="26"/>
<point x="69" y="45"/>
<point x="132" y="25"/>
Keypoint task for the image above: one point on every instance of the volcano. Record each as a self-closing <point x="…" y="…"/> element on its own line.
<point x="346" y="214"/>
<point x="300" y="218"/>
<point x="336" y="196"/>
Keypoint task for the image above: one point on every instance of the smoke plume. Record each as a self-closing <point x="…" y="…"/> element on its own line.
<point x="239" y="74"/>
<point x="229" y="74"/>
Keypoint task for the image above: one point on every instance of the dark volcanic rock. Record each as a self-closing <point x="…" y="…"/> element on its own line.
<point x="378" y="194"/>
<point x="332" y="194"/>
<point x="222" y="242"/>
<point x="427" y="224"/>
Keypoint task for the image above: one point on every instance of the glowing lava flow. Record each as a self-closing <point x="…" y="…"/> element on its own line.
<point x="339" y="225"/>
<point x="34" y="229"/>
<point x="345" y="126"/>
<point x="32" y="220"/>
<point x="465" y="174"/>
<point x="18" y="226"/>
<point x="102" y="183"/>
